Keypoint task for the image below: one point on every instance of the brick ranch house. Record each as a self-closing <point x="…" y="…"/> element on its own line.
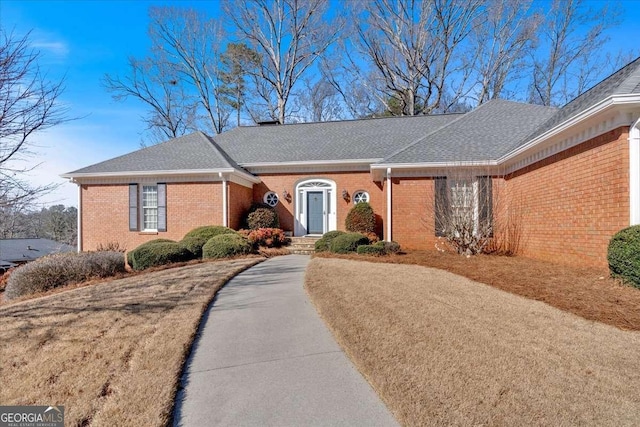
<point x="572" y="172"/>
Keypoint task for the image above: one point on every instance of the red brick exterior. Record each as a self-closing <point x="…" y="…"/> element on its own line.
<point x="240" y="198"/>
<point x="350" y="181"/>
<point x="412" y="212"/>
<point x="574" y="201"/>
<point x="105" y="213"/>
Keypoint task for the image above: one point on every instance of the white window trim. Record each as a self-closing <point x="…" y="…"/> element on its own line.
<point x="265" y="198"/>
<point x="366" y="193"/>
<point x="475" y="202"/>
<point x="141" y="207"/>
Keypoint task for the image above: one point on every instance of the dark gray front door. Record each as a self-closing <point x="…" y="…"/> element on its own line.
<point x="315" y="213"/>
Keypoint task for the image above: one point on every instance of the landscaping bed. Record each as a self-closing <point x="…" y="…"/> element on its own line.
<point x="111" y="353"/>
<point x="443" y="350"/>
<point x="587" y="292"/>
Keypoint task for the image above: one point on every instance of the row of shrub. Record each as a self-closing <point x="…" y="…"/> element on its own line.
<point x="58" y="270"/>
<point x="341" y="242"/>
<point x="204" y="242"/>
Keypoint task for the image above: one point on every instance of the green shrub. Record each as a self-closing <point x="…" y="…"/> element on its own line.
<point x="145" y="245"/>
<point x="208" y="231"/>
<point x="194" y="245"/>
<point x="348" y="242"/>
<point x="261" y="215"/>
<point x="58" y="270"/>
<point x="159" y="253"/>
<point x="324" y="243"/>
<point x="361" y="219"/>
<point x="371" y="250"/>
<point x="389" y="247"/>
<point x="624" y="255"/>
<point x="226" y="245"/>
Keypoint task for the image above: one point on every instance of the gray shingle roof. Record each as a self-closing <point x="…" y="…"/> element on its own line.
<point x="19" y="250"/>
<point x="486" y="133"/>
<point x="340" y="140"/>
<point x="624" y="81"/>
<point x="195" y="151"/>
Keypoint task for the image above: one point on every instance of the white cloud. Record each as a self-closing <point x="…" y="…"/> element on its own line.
<point x="59" y="49"/>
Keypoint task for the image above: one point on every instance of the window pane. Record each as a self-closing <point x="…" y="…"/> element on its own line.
<point x="150" y="207"/>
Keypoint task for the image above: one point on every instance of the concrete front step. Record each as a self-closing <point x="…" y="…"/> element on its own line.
<point x="303" y="245"/>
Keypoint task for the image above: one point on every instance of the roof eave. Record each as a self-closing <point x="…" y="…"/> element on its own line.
<point x="75" y="176"/>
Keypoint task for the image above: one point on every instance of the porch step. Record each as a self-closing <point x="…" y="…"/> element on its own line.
<point x="303" y="245"/>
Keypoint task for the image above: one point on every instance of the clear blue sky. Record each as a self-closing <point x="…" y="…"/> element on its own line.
<point x="86" y="39"/>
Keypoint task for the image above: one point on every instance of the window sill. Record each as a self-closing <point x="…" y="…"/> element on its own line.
<point x="147" y="233"/>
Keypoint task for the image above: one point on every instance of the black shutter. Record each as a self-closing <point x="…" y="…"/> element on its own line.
<point x="133" y="207"/>
<point x="441" y="206"/>
<point x="162" y="207"/>
<point x="485" y="201"/>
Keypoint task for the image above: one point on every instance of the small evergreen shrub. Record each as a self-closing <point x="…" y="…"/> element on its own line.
<point x="261" y="215"/>
<point x="375" y="250"/>
<point x="208" y="231"/>
<point x="361" y="219"/>
<point x="159" y="253"/>
<point x="389" y="247"/>
<point x="194" y="245"/>
<point x="226" y="245"/>
<point x="348" y="242"/>
<point x="265" y="237"/>
<point x="53" y="271"/>
<point x="623" y="255"/>
<point x="144" y="245"/>
<point x="324" y="243"/>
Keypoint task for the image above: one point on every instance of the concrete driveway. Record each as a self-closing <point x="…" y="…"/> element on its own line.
<point x="264" y="357"/>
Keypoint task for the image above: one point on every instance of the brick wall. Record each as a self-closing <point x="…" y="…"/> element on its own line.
<point x="412" y="212"/>
<point x="105" y="213"/>
<point x="572" y="203"/>
<point x="351" y="182"/>
<point x="240" y="198"/>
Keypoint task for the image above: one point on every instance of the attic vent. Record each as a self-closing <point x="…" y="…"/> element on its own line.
<point x="268" y="123"/>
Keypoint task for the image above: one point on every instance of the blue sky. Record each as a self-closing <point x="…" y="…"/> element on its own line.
<point x="85" y="40"/>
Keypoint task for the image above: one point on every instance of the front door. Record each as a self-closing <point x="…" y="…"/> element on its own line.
<point x="315" y="212"/>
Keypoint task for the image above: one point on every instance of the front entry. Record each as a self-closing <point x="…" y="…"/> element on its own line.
<point x="315" y="212"/>
<point x="315" y="206"/>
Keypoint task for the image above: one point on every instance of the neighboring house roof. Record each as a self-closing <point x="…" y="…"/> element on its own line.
<point x="193" y="152"/>
<point x="366" y="139"/>
<point x="22" y="250"/>
<point x="485" y="133"/>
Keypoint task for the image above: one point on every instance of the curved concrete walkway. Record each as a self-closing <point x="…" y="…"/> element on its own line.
<point x="264" y="357"/>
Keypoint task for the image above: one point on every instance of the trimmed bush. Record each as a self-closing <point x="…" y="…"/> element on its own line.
<point x="261" y="215"/>
<point x="53" y="271"/>
<point x="144" y="245"/>
<point x="265" y="237"/>
<point x="324" y="243"/>
<point x="624" y="255"/>
<point x="361" y="219"/>
<point x="159" y="253"/>
<point x="226" y="245"/>
<point x="194" y="245"/>
<point x="389" y="247"/>
<point x="208" y="231"/>
<point x="348" y="242"/>
<point x="376" y="250"/>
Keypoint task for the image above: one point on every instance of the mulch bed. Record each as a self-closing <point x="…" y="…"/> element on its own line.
<point x="587" y="292"/>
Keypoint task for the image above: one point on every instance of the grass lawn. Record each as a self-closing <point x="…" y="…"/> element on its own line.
<point x="587" y="292"/>
<point x="111" y="353"/>
<point x="441" y="349"/>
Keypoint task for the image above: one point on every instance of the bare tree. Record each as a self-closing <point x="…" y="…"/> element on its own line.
<point x="318" y="102"/>
<point x="563" y="65"/>
<point x="29" y="103"/>
<point x="500" y="39"/>
<point x="412" y="51"/>
<point x="182" y="79"/>
<point x="289" y="35"/>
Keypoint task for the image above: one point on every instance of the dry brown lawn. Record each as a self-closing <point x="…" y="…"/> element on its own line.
<point x="586" y="292"/>
<point x="441" y="349"/>
<point x="111" y="353"/>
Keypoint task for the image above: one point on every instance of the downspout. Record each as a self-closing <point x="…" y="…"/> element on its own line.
<point x="225" y="220"/>
<point x="79" y="219"/>
<point x="389" y="219"/>
<point x="634" y="173"/>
